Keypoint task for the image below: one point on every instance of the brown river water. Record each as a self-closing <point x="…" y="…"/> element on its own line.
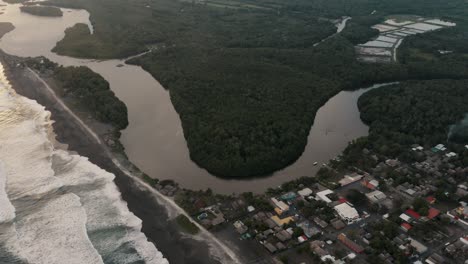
<point x="154" y="140"/>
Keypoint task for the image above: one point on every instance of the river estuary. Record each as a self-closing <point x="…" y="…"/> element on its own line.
<point x="154" y="140"/>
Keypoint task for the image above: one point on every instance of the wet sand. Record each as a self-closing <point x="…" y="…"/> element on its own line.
<point x="156" y="224"/>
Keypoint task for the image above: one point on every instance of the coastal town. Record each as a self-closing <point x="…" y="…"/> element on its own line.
<point x="386" y="211"/>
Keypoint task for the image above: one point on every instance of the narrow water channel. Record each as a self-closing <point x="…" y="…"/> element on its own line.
<point x="154" y="140"/>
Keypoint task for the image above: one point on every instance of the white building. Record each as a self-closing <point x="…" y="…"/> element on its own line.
<point x="305" y="192"/>
<point x="280" y="204"/>
<point x="323" y="195"/>
<point x="376" y="196"/>
<point x="347" y="213"/>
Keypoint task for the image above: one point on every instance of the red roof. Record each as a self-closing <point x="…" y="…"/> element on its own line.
<point x="406" y="226"/>
<point x="433" y="213"/>
<point x="342" y="200"/>
<point x="367" y="184"/>
<point x="350" y="244"/>
<point x="431" y="199"/>
<point x="413" y="214"/>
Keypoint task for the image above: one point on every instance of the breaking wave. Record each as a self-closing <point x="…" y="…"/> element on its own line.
<point x="56" y="207"/>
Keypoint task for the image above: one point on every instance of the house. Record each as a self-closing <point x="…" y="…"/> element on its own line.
<point x="280" y="246"/>
<point x="376" y="196"/>
<point x="451" y="154"/>
<point x="319" y="251"/>
<point x="406" y="227"/>
<point x="240" y="227"/>
<point x="413" y="214"/>
<point x="270" y="223"/>
<point x="283" y="235"/>
<point x="323" y="196"/>
<point x="270" y="247"/>
<point x="302" y="239"/>
<point x="348" y="179"/>
<point x="280" y="204"/>
<point x="433" y="213"/>
<point x="420" y="248"/>
<point x="370" y="183"/>
<point x="435" y="259"/>
<point x="288" y="196"/>
<point x="460" y="213"/>
<point x="250" y="209"/>
<point x="320" y="222"/>
<point x="347" y="213"/>
<point x="280" y="222"/>
<point x="309" y="229"/>
<point x="338" y="224"/>
<point x="305" y="192"/>
<point x="431" y="199"/>
<point x="350" y="244"/>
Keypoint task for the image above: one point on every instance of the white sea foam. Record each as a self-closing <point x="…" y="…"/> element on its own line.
<point x="67" y="209"/>
<point x="7" y="211"/>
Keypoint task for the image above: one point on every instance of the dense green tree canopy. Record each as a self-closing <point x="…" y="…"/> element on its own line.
<point x="246" y="77"/>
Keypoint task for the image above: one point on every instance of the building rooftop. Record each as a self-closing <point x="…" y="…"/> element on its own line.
<point x="413" y="214"/>
<point x="406" y="226"/>
<point x="350" y="244"/>
<point x="283" y="221"/>
<point x="305" y="192"/>
<point x="323" y="195"/>
<point x="280" y="204"/>
<point x="433" y="213"/>
<point x="347" y="212"/>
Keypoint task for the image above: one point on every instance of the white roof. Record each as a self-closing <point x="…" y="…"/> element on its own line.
<point x="250" y="208"/>
<point x="376" y="196"/>
<point x="323" y="195"/>
<point x="405" y="217"/>
<point x="375" y="183"/>
<point x="440" y="146"/>
<point x="280" y="204"/>
<point x="419" y="247"/>
<point x="305" y="192"/>
<point x="347" y="211"/>
<point x="347" y="179"/>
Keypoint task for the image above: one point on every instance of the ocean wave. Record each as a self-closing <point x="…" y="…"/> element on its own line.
<point x="55" y="206"/>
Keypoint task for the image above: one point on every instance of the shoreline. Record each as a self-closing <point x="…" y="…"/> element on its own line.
<point x="157" y="212"/>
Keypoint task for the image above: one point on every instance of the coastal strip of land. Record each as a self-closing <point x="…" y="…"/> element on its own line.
<point x="156" y="211"/>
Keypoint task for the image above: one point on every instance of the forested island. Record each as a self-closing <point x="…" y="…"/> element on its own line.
<point x="48" y="11"/>
<point x="247" y="81"/>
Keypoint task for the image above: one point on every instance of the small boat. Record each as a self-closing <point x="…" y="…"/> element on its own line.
<point x="315" y="163"/>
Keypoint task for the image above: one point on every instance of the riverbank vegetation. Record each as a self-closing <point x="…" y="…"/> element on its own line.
<point x="48" y="11"/>
<point x="247" y="81"/>
<point x="86" y="88"/>
<point x="414" y="112"/>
